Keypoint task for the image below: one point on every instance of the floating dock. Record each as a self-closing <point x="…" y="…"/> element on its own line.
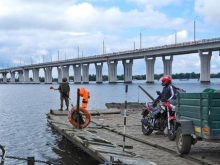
<point x="103" y="140"/>
<point x="87" y="139"/>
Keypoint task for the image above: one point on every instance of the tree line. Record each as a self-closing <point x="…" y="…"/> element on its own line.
<point x="193" y="75"/>
<point x="92" y="77"/>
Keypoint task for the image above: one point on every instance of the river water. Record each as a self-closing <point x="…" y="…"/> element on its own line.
<point x="23" y="125"/>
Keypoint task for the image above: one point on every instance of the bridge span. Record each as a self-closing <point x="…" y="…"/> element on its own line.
<point x="204" y="48"/>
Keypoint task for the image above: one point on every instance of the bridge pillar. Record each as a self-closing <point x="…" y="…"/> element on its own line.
<point x="127" y="71"/>
<point x="205" y="66"/>
<point x="167" y="66"/>
<point x="65" y="72"/>
<point x="26" y="75"/>
<point x="112" y="71"/>
<point x="85" y="73"/>
<point x="21" y="76"/>
<point x="48" y="75"/>
<point x="77" y="73"/>
<point x="4" y="77"/>
<point x="36" y="75"/>
<point x="59" y="74"/>
<point x="12" y="77"/>
<point x="150" y="69"/>
<point x="98" y="72"/>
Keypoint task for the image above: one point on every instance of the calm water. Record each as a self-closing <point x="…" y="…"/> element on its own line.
<point x="23" y="126"/>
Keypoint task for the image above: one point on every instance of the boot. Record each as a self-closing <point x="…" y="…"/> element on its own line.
<point x="67" y="108"/>
<point x="60" y="109"/>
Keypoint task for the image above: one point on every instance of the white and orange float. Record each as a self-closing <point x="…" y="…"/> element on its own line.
<point x="86" y="95"/>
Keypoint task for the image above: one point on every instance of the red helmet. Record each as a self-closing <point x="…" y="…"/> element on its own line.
<point x="165" y="80"/>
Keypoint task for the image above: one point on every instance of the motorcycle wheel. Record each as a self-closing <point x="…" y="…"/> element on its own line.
<point x="183" y="142"/>
<point x="171" y="132"/>
<point x="146" y="130"/>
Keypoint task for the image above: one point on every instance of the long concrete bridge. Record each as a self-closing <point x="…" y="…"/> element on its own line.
<point x="204" y="48"/>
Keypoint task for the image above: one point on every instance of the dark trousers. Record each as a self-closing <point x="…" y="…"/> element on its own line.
<point x="66" y="101"/>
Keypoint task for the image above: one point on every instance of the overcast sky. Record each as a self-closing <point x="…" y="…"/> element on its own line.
<point x="30" y="29"/>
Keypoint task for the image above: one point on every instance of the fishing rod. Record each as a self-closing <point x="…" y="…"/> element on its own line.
<point x="146" y="93"/>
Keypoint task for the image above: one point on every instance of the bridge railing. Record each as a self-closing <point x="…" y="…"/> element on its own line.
<point x="130" y="51"/>
<point x="166" y="46"/>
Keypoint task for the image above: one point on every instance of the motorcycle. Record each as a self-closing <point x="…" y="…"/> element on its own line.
<point x="158" y="117"/>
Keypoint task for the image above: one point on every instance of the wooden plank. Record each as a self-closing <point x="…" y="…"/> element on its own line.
<point x="127" y="160"/>
<point x="99" y="144"/>
<point x="93" y="138"/>
<point x="59" y="113"/>
<point x="130" y="105"/>
<point x="92" y="112"/>
<point x="126" y="146"/>
<point x="109" y="111"/>
<point x="106" y="149"/>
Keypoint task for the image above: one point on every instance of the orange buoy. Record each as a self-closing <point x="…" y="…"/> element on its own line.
<point x="73" y="122"/>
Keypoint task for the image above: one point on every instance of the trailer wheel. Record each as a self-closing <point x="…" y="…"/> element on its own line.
<point x="183" y="142"/>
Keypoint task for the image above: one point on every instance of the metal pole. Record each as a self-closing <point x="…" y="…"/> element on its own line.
<point x="58" y="55"/>
<point x="3" y="155"/>
<point x="175" y="35"/>
<point x="103" y="47"/>
<point x="78" y="51"/>
<point x="78" y="102"/>
<point x="175" y="38"/>
<point x="140" y="40"/>
<point x="126" y="91"/>
<point x="31" y="160"/>
<point x="134" y="45"/>
<point x="146" y="93"/>
<point x="194" y="30"/>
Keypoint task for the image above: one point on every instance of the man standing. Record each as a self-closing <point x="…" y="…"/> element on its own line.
<point x="64" y="89"/>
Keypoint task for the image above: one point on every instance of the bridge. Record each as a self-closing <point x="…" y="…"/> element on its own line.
<point x="204" y="48"/>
